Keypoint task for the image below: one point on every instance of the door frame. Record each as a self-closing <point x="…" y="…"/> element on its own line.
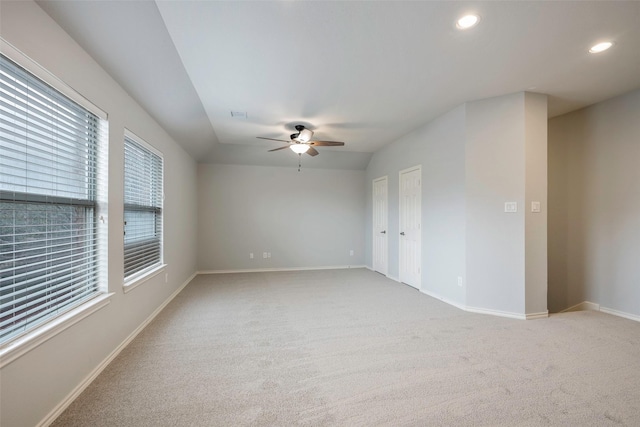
<point x="400" y="173"/>
<point x="373" y="225"/>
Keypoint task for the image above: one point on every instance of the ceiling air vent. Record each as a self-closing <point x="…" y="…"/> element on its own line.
<point x="239" y="114"/>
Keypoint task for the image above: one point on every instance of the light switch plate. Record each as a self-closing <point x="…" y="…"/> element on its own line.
<point x="535" y="206"/>
<point x="511" y="207"/>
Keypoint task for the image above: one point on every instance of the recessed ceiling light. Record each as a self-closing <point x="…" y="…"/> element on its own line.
<point x="600" y="47"/>
<point x="467" y="21"/>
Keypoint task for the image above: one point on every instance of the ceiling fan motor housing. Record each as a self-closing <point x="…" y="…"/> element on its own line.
<point x="303" y="135"/>
<point x="294" y="136"/>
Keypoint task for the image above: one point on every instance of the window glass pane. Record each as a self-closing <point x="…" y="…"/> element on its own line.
<point x="142" y="208"/>
<point x="48" y="164"/>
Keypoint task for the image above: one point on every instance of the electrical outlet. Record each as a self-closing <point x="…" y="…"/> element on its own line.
<point x="351" y="252"/>
<point x="250" y="255"/>
<point x="166" y="277"/>
<point x="460" y="281"/>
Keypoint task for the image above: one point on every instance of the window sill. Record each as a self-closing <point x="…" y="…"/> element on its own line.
<point x="24" y="344"/>
<point x="138" y="280"/>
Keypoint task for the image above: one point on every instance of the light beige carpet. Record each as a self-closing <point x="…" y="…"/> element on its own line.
<point x="352" y="348"/>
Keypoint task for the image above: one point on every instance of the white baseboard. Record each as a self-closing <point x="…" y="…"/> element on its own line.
<point x="584" y="305"/>
<point x="477" y="310"/>
<point x="395" y="279"/>
<point x="592" y="306"/>
<point x="541" y="315"/>
<point x="499" y="313"/>
<point x="443" y="299"/>
<point x="620" y="314"/>
<point x="60" y="407"/>
<point x="508" y="314"/>
<point x="266" y="270"/>
<point x="370" y="268"/>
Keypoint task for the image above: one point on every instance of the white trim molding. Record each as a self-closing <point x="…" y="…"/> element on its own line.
<point x="592" y="306"/>
<point x="443" y="299"/>
<point x="60" y="407"/>
<point x="583" y="306"/>
<point x="22" y="59"/>
<point x="368" y="267"/>
<point x="618" y="313"/>
<point x="138" y="280"/>
<point x="266" y="270"/>
<point x="499" y="313"/>
<point x="478" y="310"/>
<point x="22" y="345"/>
<point x="508" y="314"/>
<point x="541" y="315"/>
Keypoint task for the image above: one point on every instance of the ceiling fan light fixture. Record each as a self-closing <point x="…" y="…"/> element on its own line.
<point x="299" y="148"/>
<point x="305" y="135"/>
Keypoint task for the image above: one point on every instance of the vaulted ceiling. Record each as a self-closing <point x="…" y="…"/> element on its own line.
<point x="364" y="72"/>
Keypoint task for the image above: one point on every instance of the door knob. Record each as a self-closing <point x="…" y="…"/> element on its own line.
<point x="402" y="233"/>
<point x="383" y="232"/>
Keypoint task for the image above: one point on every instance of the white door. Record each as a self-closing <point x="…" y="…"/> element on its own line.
<point x="410" y="217"/>
<point x="380" y="225"/>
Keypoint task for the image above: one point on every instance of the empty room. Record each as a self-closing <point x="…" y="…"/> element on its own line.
<point x="327" y="213"/>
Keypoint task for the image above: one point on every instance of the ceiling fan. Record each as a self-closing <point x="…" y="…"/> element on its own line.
<point x="301" y="142"/>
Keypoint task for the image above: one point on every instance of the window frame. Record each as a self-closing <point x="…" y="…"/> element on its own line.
<point x="138" y="278"/>
<point x="33" y="336"/>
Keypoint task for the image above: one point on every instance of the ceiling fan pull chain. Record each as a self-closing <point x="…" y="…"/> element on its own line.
<point x="299" y="161"/>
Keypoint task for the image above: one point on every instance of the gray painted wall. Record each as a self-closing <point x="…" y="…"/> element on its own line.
<point x="594" y="206"/>
<point x="495" y="175"/>
<point x="507" y="162"/>
<point x="536" y="159"/>
<point x="439" y="147"/>
<point x="474" y="159"/>
<point x="35" y="383"/>
<point x="311" y="218"/>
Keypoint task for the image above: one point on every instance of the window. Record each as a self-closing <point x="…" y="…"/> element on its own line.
<point x="49" y="185"/>
<point x="142" y="208"/>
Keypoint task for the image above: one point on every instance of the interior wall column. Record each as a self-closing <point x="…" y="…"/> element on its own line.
<point x="506" y="155"/>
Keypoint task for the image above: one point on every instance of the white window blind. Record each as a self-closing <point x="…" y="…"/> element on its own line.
<point x="142" y="208"/>
<point x="49" y="157"/>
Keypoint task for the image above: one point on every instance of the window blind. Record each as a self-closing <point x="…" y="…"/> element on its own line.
<point x="48" y="186"/>
<point x="142" y="208"/>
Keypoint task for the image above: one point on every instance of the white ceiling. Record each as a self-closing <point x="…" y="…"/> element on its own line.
<point x="361" y="72"/>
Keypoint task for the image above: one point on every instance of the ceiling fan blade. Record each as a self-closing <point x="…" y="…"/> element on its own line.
<point x="326" y="143"/>
<point x="271" y="139"/>
<point x="281" y="148"/>
<point x="312" y="151"/>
